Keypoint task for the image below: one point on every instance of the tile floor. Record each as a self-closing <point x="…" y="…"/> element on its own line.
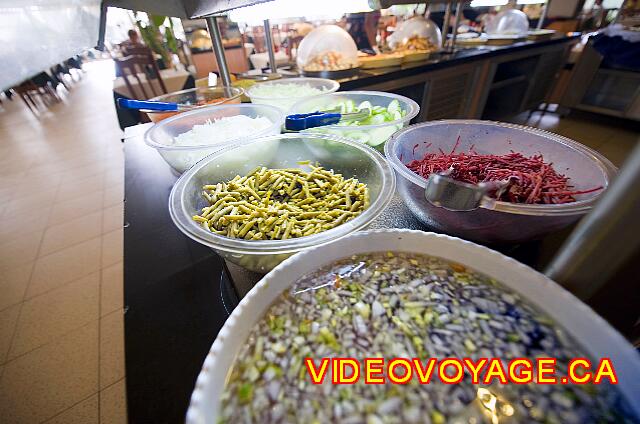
<point x="612" y="137"/>
<point x="61" y="243"/>
<point x="61" y="214"/>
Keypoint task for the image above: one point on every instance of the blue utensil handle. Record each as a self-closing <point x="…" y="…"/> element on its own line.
<point x="302" y="121"/>
<point x="143" y="104"/>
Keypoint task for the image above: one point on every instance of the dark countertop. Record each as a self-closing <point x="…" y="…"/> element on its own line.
<point x="171" y="294"/>
<point x="178" y="293"/>
<point x="444" y="60"/>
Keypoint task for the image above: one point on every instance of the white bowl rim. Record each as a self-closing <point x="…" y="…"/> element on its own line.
<point x="333" y="87"/>
<point x="595" y="336"/>
<point x="578" y="207"/>
<point x="149" y="140"/>
<point x="268" y="247"/>
<point x="413" y="111"/>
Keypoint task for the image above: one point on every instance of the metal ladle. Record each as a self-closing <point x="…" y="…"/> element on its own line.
<point x="444" y="192"/>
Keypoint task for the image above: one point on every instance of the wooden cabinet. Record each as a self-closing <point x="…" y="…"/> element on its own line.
<point x="487" y="88"/>
<point x="442" y="94"/>
<point x="448" y="94"/>
<point x="519" y="82"/>
<point x="548" y="66"/>
<point x="596" y="89"/>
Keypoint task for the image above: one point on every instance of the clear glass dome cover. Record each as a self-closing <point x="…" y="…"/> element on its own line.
<point x="327" y="48"/>
<point x="417" y="27"/>
<point x="508" y="22"/>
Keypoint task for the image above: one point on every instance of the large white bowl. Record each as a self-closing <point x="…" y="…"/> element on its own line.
<point x="598" y="338"/>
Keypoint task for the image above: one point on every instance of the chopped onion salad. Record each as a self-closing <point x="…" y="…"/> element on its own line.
<point x="222" y="130"/>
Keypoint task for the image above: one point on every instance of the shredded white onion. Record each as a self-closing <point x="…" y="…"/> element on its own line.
<point x="222" y="130"/>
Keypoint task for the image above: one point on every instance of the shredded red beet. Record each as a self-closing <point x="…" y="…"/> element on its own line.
<point x="529" y="179"/>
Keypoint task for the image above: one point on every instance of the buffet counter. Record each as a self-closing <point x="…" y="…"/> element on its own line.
<point x="178" y="293"/>
<point x="480" y="82"/>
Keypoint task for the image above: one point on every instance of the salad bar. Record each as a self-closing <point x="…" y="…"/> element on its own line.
<point x="179" y="293"/>
<point x="314" y="225"/>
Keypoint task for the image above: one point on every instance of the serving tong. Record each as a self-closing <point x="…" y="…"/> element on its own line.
<point x="303" y="121"/>
<point x="154" y="106"/>
<point x="444" y="192"/>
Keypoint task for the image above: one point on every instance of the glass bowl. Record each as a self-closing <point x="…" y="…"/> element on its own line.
<point x="326" y="86"/>
<point x="359" y="162"/>
<point x="373" y="135"/>
<point x="181" y="157"/>
<point x="202" y="96"/>
<point x="506" y="222"/>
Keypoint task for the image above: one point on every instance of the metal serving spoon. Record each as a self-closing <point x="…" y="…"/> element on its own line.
<point x="445" y="192"/>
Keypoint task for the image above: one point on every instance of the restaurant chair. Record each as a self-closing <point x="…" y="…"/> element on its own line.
<point x="136" y="70"/>
<point x="137" y="66"/>
<point x="38" y="90"/>
<point x="58" y="72"/>
<point x="75" y="63"/>
<point x="136" y="50"/>
<point x="46" y="87"/>
<point x="142" y="50"/>
<point x="27" y="92"/>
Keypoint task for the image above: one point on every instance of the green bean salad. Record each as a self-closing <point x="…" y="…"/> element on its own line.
<point x="278" y="204"/>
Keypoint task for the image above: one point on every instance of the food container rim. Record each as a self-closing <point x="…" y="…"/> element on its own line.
<point x="598" y="337"/>
<point x="182" y="218"/>
<point x="578" y="207"/>
<point x="149" y="134"/>
<point x="411" y="113"/>
<point x="176" y="93"/>
<point x="335" y="86"/>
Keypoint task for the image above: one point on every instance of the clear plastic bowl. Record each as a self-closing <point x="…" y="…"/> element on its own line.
<point x="203" y="96"/>
<point x="347" y="157"/>
<point x="326" y="86"/>
<point x="373" y="135"/>
<point x="506" y="222"/>
<point x="180" y="157"/>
